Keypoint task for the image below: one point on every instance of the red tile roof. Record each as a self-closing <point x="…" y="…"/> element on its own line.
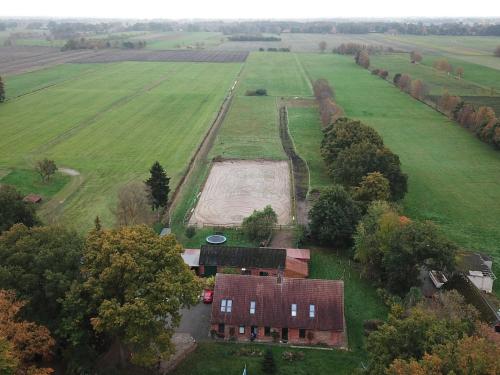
<point x="32" y="198"/>
<point x="274" y="300"/>
<point x="296" y="266"/>
<point x="299" y="253"/>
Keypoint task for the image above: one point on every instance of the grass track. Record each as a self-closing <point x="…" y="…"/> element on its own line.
<point x="112" y="124"/>
<point x="454" y="179"/>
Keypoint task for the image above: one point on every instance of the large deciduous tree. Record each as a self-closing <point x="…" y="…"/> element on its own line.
<point x="373" y="187"/>
<point x="46" y="168"/>
<point x="134" y="284"/>
<point x="159" y="188"/>
<point x="133" y="207"/>
<point x="40" y="264"/>
<point x="24" y="343"/>
<point x="322" y="46"/>
<point x="333" y="217"/>
<point x="14" y="210"/>
<point x="363" y="59"/>
<point x="415" y="57"/>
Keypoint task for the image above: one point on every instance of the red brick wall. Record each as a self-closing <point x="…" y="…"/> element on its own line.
<point x="331" y="338"/>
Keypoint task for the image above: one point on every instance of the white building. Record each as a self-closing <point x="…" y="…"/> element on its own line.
<point x="477" y="268"/>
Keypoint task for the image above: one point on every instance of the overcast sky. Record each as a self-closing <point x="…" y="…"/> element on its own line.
<point x="261" y="9"/>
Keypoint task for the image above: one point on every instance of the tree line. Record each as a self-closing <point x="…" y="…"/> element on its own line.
<point x="325" y="96"/>
<point x="479" y="120"/>
<point x="253" y="38"/>
<point x="84" y="43"/>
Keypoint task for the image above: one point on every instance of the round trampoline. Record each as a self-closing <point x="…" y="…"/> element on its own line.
<point x="216" y="239"/>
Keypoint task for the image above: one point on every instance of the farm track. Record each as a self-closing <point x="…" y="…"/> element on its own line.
<point x="90" y="120"/>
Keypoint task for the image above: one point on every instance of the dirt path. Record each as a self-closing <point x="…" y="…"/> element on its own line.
<point x="283" y="239"/>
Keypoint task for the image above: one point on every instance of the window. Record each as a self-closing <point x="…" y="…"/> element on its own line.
<point x="294" y="309"/>
<point x="221" y="327"/>
<point x="263" y="273"/>
<point x="252" y="307"/>
<point x="242" y="330"/>
<point x="302" y="333"/>
<point x="226" y="305"/>
<point x="311" y="311"/>
<point x="267" y="331"/>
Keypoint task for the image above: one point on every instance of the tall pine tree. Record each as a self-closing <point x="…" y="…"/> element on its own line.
<point x="2" y="91"/>
<point x="158" y="184"/>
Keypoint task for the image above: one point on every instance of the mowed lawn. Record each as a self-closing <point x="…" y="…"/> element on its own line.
<point x="112" y="124"/>
<point x="305" y="128"/>
<point x="250" y="130"/>
<point x="454" y="179"/>
<point x="280" y="73"/>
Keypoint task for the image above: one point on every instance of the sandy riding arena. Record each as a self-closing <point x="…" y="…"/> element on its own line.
<point x="235" y="189"/>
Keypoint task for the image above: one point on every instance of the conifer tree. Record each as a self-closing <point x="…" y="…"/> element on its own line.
<point x="158" y="184"/>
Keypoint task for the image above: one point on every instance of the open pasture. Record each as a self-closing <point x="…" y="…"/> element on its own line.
<point x="453" y="177"/>
<point x="111" y="55"/>
<point x="235" y="188"/>
<point x="183" y="40"/>
<point x="111" y="124"/>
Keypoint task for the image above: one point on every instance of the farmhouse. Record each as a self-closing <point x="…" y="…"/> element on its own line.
<point x="299" y="311"/>
<point x="258" y="261"/>
<point x="477" y="267"/>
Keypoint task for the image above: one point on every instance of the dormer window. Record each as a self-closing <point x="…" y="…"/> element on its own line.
<point x="294" y="309"/>
<point x="312" y="311"/>
<point x="252" y="307"/>
<point x="226" y="305"/>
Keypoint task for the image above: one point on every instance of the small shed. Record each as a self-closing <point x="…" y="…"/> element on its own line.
<point x="478" y="269"/>
<point x="33" y="198"/>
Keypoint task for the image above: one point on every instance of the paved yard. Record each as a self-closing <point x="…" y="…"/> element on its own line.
<point x="196" y="322"/>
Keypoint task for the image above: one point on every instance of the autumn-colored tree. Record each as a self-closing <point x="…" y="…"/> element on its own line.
<point x="322" y="89"/>
<point x="448" y="102"/>
<point x="134" y="285"/>
<point x="322" y="46"/>
<point x="459" y="71"/>
<point x="8" y="362"/>
<point x="404" y="82"/>
<point x="415" y="57"/>
<point x="363" y="59"/>
<point x="329" y="110"/>
<point x="373" y="187"/>
<point x="469" y="355"/>
<point x="133" y="207"/>
<point x="417" y="89"/>
<point x="483" y="116"/>
<point x="28" y="343"/>
<point x="443" y="65"/>
<point x="383" y="74"/>
<point x="497" y="51"/>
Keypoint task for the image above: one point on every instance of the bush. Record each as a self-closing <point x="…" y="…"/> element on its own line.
<point x="292" y="356"/>
<point x="259" y="226"/>
<point x="258" y="92"/>
<point x="190" y="231"/>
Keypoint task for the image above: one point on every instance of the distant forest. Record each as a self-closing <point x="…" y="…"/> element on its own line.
<point x="482" y="27"/>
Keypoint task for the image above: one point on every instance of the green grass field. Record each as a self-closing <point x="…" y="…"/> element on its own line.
<point x="111" y="124"/>
<point x="250" y="130"/>
<point x="477" y="80"/>
<point x="305" y="128"/>
<point x="453" y="177"/>
<point x="28" y="181"/>
<point x="278" y="72"/>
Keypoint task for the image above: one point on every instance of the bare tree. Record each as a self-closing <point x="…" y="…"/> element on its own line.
<point x="417" y="89"/>
<point x="497" y="51"/>
<point x="459" y="72"/>
<point x="443" y="65"/>
<point x="415" y="57"/>
<point x="322" y="46"/>
<point x="133" y="206"/>
<point x="362" y="58"/>
<point x="45" y="168"/>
